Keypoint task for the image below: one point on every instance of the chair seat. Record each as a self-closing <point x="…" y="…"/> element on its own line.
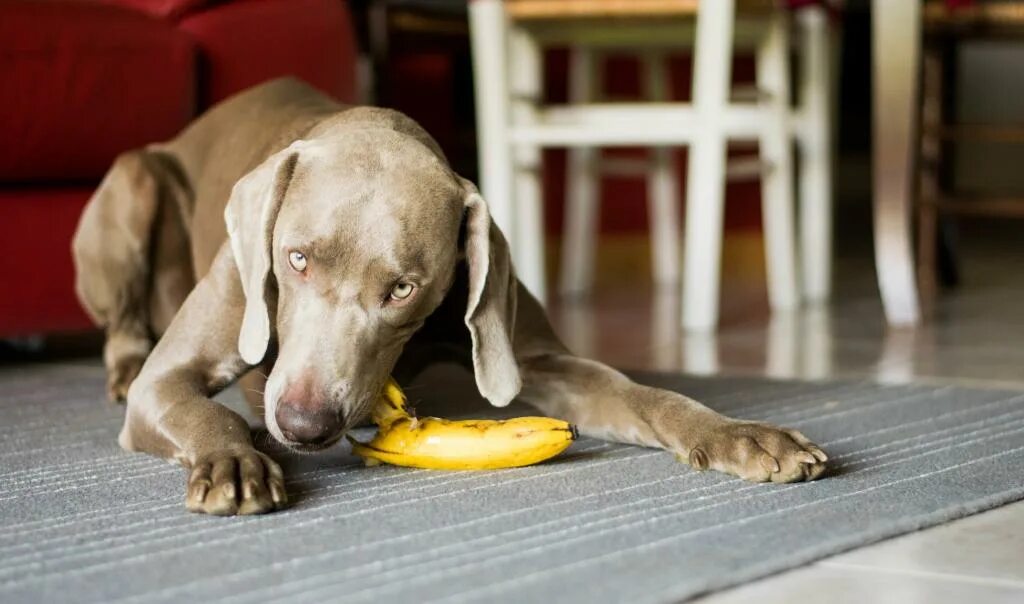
<point x="600" y="9"/>
<point x="989" y="133"/>
<point x="978" y="205"/>
<point x="986" y="18"/>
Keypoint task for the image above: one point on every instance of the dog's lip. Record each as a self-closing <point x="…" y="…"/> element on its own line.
<point x="312" y="448"/>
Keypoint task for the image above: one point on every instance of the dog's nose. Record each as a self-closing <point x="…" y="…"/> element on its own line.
<point x="302" y="425"/>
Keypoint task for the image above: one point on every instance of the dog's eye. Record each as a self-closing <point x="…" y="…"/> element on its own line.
<point x="297" y="260"/>
<point x="402" y="291"/>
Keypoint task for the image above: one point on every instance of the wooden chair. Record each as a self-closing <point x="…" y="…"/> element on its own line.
<point x="513" y="127"/>
<point x="938" y="200"/>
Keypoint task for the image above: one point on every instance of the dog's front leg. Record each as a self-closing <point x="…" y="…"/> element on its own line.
<point x="606" y="404"/>
<point x="171" y="415"/>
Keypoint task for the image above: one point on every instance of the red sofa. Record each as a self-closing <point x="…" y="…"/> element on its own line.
<point x="83" y="80"/>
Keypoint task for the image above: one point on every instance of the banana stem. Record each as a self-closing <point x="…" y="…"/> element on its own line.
<point x="392" y="406"/>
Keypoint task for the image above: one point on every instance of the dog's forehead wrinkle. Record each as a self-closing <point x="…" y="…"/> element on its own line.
<point x="370" y="152"/>
<point x="352" y="239"/>
<point x="359" y="186"/>
<point x="343" y="227"/>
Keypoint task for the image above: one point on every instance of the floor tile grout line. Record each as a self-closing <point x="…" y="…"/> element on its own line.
<point x="925" y="574"/>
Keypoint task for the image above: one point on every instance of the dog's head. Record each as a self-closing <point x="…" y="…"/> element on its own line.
<point x="344" y="248"/>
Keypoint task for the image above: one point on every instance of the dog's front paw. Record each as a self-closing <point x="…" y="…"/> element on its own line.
<point x="759" y="453"/>
<point x="232" y="482"/>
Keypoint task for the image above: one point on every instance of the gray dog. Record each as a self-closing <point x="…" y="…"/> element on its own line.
<point x="311" y="250"/>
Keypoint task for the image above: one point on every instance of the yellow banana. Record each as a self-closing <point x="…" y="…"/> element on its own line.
<point x="441" y="444"/>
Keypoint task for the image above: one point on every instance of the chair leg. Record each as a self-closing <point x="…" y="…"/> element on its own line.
<point x="525" y="86"/>
<point x="528" y="253"/>
<point x="928" y="166"/>
<point x="705" y="190"/>
<point x="948" y="252"/>
<point x="489" y="47"/>
<point x="782" y="346"/>
<point x="947" y="257"/>
<point x="777" y="184"/>
<point x="700" y="353"/>
<point x="579" y="237"/>
<point x="662" y="188"/>
<point x="815" y="145"/>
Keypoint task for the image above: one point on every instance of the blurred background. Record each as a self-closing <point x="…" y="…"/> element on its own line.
<point x="874" y="149"/>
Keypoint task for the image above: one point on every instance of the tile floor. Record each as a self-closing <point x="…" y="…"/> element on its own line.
<point x="976" y="339"/>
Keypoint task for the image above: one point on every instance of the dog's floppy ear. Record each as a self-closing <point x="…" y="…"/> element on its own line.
<point x="250" y="217"/>
<point x="491" y="306"/>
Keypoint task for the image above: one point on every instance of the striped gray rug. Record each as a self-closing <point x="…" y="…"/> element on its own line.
<point x="81" y="521"/>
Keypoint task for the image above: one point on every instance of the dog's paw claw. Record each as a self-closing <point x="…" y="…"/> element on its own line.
<point x="698" y="459"/>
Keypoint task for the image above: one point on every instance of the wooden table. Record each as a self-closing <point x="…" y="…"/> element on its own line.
<point x="896" y="54"/>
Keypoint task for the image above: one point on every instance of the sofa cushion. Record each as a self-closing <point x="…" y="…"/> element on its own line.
<point x="246" y="42"/>
<point x="83" y="82"/>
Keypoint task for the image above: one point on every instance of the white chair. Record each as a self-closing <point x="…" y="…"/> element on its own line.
<point x="583" y="179"/>
<point x="513" y="126"/>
